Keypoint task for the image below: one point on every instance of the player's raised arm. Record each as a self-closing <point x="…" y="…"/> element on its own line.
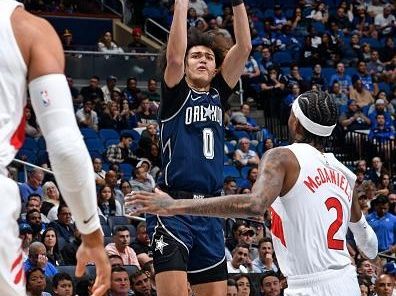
<point x="269" y="185"/>
<point x="234" y="62"/>
<point x="52" y="102"/>
<point x="177" y="45"/>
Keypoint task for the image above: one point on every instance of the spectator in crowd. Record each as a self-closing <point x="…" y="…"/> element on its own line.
<point x="107" y="204"/>
<point x="121" y="152"/>
<point x="294" y="77"/>
<point x="86" y="116"/>
<point x="319" y="13"/>
<point x="265" y="261"/>
<point x="128" y="118"/>
<point x="365" y="269"/>
<point x="360" y="94"/>
<point x="342" y="21"/>
<point x="193" y="20"/>
<point x="141" y="284"/>
<point x="141" y="180"/>
<point x="247" y="237"/>
<point x="146" y="263"/>
<point x="111" y="180"/>
<point x="137" y="45"/>
<point x="388" y="107"/>
<point x="385" y="21"/>
<point x="33" y="218"/>
<point x="213" y="27"/>
<point x="354" y="119"/>
<point x="142" y="242"/>
<point x="200" y="7"/>
<point x="232" y="240"/>
<point x="244" y="285"/>
<point x="384" y="186"/>
<point x="93" y="90"/>
<point x="231" y="288"/>
<point x="251" y="126"/>
<point x="50" y="240"/>
<point x="125" y="187"/>
<point x="377" y="169"/>
<point x="288" y="101"/>
<point x="34" y="202"/>
<point x="360" y="176"/>
<point x="131" y="92"/>
<point x="251" y="177"/>
<point x="270" y="284"/>
<point x="120" y="285"/>
<point x="266" y="60"/>
<point x="64" y="226"/>
<point x="388" y="51"/>
<point x="366" y="78"/>
<point x="32" y="185"/>
<point x="115" y="260"/>
<point x="148" y="137"/>
<point x="69" y="250"/>
<point x="62" y="285"/>
<point x="240" y="255"/>
<point x="35" y="282"/>
<point x="110" y="86"/>
<point x="145" y="116"/>
<point x="111" y="118"/>
<point x="245" y="156"/>
<point x="383" y="223"/>
<point x="108" y="45"/>
<point x="250" y="78"/>
<point x="380" y="109"/>
<point x="100" y="173"/>
<point x="381" y="133"/>
<point x="230" y="186"/>
<point x="318" y="78"/>
<point x="120" y="246"/>
<point x="152" y="92"/>
<point x="76" y="96"/>
<point x="340" y="98"/>
<point x="384" y="285"/>
<point x="51" y="200"/>
<point x="67" y="40"/>
<point x="26" y="236"/>
<point x="37" y="258"/>
<point x="279" y="19"/>
<point x="272" y="92"/>
<point x="31" y="128"/>
<point x="343" y="79"/>
<point x="375" y="67"/>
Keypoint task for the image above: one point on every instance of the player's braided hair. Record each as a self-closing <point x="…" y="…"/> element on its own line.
<point x="320" y="108"/>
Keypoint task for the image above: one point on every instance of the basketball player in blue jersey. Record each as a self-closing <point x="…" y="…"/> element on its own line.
<point x="197" y="82"/>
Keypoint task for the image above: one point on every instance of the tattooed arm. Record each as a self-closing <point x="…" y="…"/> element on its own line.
<point x="269" y="185"/>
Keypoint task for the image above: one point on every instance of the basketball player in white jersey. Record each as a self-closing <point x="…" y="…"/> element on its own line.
<point x="312" y="205"/>
<point x="31" y="56"/>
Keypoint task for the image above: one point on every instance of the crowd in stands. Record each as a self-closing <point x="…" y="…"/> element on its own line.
<point x="347" y="50"/>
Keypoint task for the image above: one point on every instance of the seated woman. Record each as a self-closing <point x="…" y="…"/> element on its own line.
<point x="50" y="240"/>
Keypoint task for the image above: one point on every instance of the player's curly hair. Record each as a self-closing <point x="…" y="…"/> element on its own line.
<point x="320" y="108"/>
<point x="197" y="38"/>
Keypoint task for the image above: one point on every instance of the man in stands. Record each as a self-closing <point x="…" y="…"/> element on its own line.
<point x="38" y="258"/>
<point x="141" y="284"/>
<point x="142" y="242"/>
<point x="343" y="79"/>
<point x="64" y="225"/>
<point x="265" y="261"/>
<point x="120" y="285"/>
<point x="240" y="255"/>
<point x="244" y="156"/>
<point x="110" y="86"/>
<point x="121" y="152"/>
<point x="384" y="285"/>
<point x="34" y="202"/>
<point x="32" y="185"/>
<point x="26" y="235"/>
<point x="270" y="285"/>
<point x="120" y="246"/>
<point x="93" y="90"/>
<point x="86" y="116"/>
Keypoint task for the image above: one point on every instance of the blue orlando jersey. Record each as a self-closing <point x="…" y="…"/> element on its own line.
<point x="192" y="137"/>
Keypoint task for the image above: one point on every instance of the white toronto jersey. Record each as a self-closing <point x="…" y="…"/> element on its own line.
<point x="310" y="222"/>
<point x="13" y="86"/>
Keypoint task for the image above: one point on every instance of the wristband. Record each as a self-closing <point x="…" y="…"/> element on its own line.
<point x="236" y="2"/>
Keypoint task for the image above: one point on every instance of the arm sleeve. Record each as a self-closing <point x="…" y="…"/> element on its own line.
<point x="365" y="237"/>
<point x="71" y="163"/>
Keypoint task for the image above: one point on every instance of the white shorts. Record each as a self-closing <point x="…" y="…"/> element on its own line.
<point x="12" y="277"/>
<point x="341" y="282"/>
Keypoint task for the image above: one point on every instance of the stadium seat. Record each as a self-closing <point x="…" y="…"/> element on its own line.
<point x="107" y="240"/>
<point x="374" y="43"/>
<point x="268" y="13"/>
<point x="282" y="58"/>
<point x="127" y="170"/>
<point x="110" y="142"/>
<point x="385" y="87"/>
<point x="89" y="133"/>
<point x="231" y="171"/>
<point x="245" y="171"/>
<point x="106" y="230"/>
<point x="106" y="134"/>
<point x="30" y="144"/>
<point x="306" y="72"/>
<point x="319" y="27"/>
<point x="135" y="134"/>
<point x="131" y="269"/>
<point x="117" y="220"/>
<point x="94" y="145"/>
<point x="240" y="181"/>
<point x="230" y="147"/>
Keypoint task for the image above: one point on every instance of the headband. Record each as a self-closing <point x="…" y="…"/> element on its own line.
<point x="308" y="124"/>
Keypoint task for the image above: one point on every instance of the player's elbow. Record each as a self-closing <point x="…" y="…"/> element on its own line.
<point x="257" y="205"/>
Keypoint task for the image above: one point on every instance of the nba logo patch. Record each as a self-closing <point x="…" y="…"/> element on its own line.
<point x="45" y="98"/>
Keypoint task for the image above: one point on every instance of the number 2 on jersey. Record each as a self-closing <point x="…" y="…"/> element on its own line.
<point x="332" y="243"/>
<point x="208" y="143"/>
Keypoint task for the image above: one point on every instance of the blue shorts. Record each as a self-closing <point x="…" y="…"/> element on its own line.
<point x="188" y="243"/>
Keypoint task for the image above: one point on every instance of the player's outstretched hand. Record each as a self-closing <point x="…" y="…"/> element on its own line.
<point x="92" y="250"/>
<point x="157" y="203"/>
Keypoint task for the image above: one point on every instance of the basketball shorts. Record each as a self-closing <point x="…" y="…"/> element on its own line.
<point x="12" y="278"/>
<point x="188" y="243"/>
<point x="341" y="282"/>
